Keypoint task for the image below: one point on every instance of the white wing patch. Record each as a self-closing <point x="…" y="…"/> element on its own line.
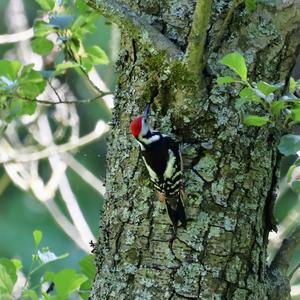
<point x="151" y="172"/>
<point x="169" y="172"/>
<point x="150" y="140"/>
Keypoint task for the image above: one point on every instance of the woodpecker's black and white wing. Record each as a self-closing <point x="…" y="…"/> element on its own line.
<point x="174" y="185"/>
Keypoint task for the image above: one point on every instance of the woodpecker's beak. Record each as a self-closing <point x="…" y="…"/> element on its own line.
<point x="146" y="112"/>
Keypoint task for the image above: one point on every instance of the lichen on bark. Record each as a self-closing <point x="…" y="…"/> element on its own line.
<point x="222" y="253"/>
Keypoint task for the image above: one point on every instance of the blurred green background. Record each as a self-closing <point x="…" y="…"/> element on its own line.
<point x="20" y="212"/>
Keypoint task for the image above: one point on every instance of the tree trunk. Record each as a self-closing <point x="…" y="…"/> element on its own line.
<point x="170" y="53"/>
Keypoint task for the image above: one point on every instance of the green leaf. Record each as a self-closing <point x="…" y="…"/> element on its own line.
<point x="81" y="6"/>
<point x="19" y="107"/>
<point x="8" y="276"/>
<point x="250" y="5"/>
<point x="29" y="295"/>
<point x="236" y="62"/>
<point x="250" y="94"/>
<point x="255" y="120"/>
<point x="37" y="236"/>
<point x="277" y="106"/>
<point x="41" y="45"/>
<point x="41" y="28"/>
<point x="88" y="268"/>
<point x="225" y="79"/>
<point x="240" y="102"/>
<point x="267" y="88"/>
<point x="68" y="281"/>
<point x="97" y="55"/>
<point x="296" y="186"/>
<point x="296" y="114"/>
<point x="61" y="68"/>
<point x="17" y="263"/>
<point x="31" y="83"/>
<point x="46" y="4"/>
<point x="289" y="144"/>
<point x="10" y="68"/>
<point x="290" y="173"/>
<point x="292" y="85"/>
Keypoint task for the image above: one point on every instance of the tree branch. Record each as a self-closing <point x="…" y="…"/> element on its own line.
<point x="224" y="26"/>
<point x="197" y="37"/>
<point x="16" y="37"/>
<point x="124" y="17"/>
<point x="53" y="102"/>
<point x="100" y="129"/>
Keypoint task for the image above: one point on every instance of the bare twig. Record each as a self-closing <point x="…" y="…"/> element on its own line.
<point x="72" y="205"/>
<point x="286" y="251"/>
<point x="123" y="16"/>
<point x="53" y="102"/>
<point x="99" y="130"/>
<point x="197" y="37"/>
<point x="16" y="37"/>
<point x="84" y="173"/>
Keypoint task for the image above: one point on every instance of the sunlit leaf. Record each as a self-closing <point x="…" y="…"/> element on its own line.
<point x="88" y="268"/>
<point x="250" y="94"/>
<point x="17" y="263"/>
<point x="255" y="120"/>
<point x="292" y="85"/>
<point x="41" y="45"/>
<point x="37" y="236"/>
<point x="29" y="295"/>
<point x="236" y="62"/>
<point x="97" y="55"/>
<point x="19" y="107"/>
<point x="296" y="114"/>
<point x="68" y="281"/>
<point x="277" y="106"/>
<point x="31" y="84"/>
<point x="46" y="4"/>
<point x="10" y="68"/>
<point x="8" y="276"/>
<point x="61" y="68"/>
<point x="225" y="79"/>
<point x="267" y="88"/>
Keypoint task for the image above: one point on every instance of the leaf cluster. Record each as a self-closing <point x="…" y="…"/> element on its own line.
<point x="64" y="284"/>
<point x="60" y="32"/>
<point x="273" y="106"/>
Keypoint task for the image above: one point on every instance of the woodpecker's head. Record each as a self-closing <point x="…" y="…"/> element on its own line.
<point x="139" y="126"/>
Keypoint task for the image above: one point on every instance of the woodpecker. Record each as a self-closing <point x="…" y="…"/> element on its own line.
<point x="162" y="159"/>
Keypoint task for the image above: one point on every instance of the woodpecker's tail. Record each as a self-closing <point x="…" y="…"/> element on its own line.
<point x="176" y="211"/>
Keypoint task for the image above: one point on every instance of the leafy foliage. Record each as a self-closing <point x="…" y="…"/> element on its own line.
<point x="66" y="283"/>
<point x="262" y="94"/>
<point x="62" y="35"/>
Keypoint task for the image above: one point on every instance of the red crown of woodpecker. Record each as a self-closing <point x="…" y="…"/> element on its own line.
<point x="136" y="126"/>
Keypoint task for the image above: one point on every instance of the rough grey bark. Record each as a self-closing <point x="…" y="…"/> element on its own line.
<point x="166" y="58"/>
